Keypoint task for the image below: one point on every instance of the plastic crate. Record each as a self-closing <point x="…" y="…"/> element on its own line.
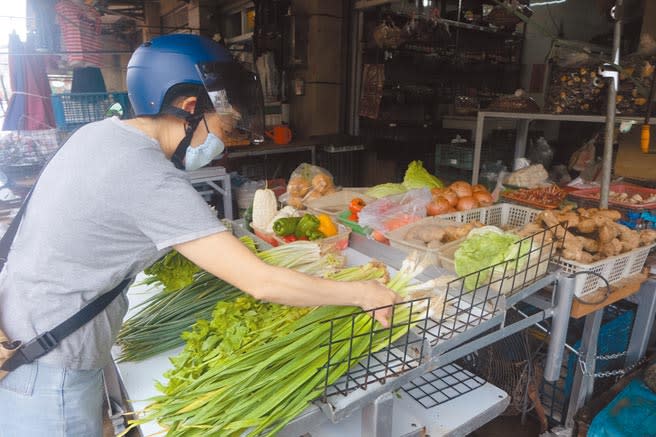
<point x="458" y="156"/>
<point x="73" y="110"/>
<point x="591" y="197"/>
<point x="343" y="218"/>
<point x="336" y="242"/>
<point x="396" y="238"/>
<point x="335" y="203"/>
<point x="613" y="269"/>
<point x="503" y="215"/>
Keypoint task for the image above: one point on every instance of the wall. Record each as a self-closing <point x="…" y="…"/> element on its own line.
<point x="318" y="112"/>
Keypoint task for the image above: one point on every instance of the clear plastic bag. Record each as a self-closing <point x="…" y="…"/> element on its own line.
<point x="541" y="153"/>
<point x="308" y="182"/>
<point x="392" y="212"/>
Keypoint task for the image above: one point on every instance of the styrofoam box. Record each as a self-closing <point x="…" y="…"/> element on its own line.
<point x="397" y="238"/>
<point x="333" y="204"/>
<point x="613" y="269"/>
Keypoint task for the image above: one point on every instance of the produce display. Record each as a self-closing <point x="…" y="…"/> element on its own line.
<point x="593" y="234"/>
<point x="433" y="236"/>
<point x="163" y="317"/>
<point x="545" y="198"/>
<point x="459" y="196"/>
<point x="635" y="199"/>
<point x="308" y="182"/>
<point x="485" y="247"/>
<point x="260" y="388"/>
<point x="173" y="271"/>
<point x="528" y="177"/>
<point x="308" y="227"/>
<point x="416" y="177"/>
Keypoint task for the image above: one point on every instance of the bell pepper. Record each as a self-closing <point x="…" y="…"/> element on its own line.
<point x="315" y="235"/>
<point x="327" y="226"/>
<point x="306" y="224"/>
<point x="289" y="238"/>
<point x="355" y="207"/>
<point x="285" y="226"/>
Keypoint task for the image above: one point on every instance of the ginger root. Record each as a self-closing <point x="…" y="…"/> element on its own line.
<point x="647" y="237"/>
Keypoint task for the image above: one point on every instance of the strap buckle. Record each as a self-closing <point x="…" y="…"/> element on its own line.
<point x="37" y="347"/>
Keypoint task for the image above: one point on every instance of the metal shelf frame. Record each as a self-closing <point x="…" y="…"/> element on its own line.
<point x="523" y="121"/>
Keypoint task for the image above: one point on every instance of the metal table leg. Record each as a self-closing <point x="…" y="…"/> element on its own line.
<point x="478" y="145"/>
<point x="377" y="417"/>
<point x="643" y="323"/>
<point x="584" y="381"/>
<point x="560" y="321"/>
<point x="522" y="137"/>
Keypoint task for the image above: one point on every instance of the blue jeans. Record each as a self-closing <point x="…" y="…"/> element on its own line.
<point x="38" y="400"/>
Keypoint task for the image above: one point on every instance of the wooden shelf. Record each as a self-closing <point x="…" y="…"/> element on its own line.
<point x="620" y="290"/>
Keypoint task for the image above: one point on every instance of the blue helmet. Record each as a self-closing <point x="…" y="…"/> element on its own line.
<point x="169" y="60"/>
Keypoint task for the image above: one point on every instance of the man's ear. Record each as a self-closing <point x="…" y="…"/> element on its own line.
<point x="189" y="104"/>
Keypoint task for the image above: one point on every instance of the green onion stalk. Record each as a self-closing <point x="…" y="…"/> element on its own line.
<point x="162" y="318"/>
<point x="261" y="389"/>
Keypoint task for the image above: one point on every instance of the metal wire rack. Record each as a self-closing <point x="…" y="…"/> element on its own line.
<point x="366" y="353"/>
<point x="477" y="297"/>
<point x="442" y="385"/>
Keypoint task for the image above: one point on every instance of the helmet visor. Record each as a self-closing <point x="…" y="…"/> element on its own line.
<point x="236" y="95"/>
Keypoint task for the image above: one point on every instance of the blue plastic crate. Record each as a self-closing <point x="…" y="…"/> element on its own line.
<point x="613" y="338"/>
<point x="73" y="110"/>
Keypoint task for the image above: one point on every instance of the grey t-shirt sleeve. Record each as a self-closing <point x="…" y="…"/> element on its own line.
<point x="168" y="210"/>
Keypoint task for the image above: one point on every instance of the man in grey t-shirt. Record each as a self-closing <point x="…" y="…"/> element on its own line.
<point x="114" y="199"/>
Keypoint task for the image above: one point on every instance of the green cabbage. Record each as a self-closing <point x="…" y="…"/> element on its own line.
<point x="416" y="176"/>
<point x="488" y="248"/>
<point x="384" y="190"/>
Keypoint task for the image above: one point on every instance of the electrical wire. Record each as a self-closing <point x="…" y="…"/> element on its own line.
<point x="608" y="291"/>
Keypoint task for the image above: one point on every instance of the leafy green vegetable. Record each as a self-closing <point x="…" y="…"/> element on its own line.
<point x="173" y="270"/>
<point x="416" y="176"/>
<point x="384" y="190"/>
<point x="484" y="249"/>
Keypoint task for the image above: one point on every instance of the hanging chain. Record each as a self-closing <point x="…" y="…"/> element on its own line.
<point x="610" y="373"/>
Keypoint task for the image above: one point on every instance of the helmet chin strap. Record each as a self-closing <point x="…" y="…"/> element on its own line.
<point x="192" y="122"/>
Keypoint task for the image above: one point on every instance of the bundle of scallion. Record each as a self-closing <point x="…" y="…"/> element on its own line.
<point x="259" y="390"/>
<point x="240" y="325"/>
<point x="163" y="317"/>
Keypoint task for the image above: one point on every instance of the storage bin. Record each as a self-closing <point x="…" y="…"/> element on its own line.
<point x="73" y="110"/>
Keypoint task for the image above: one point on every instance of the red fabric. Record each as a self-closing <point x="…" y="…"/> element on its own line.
<point x="80" y="30"/>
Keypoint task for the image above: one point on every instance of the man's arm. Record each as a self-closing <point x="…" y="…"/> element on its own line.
<point x="226" y="257"/>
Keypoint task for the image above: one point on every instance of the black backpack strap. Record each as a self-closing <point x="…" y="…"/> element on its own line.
<point x="44" y="343"/>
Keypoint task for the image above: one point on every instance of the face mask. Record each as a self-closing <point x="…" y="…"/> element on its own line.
<point x="197" y="157"/>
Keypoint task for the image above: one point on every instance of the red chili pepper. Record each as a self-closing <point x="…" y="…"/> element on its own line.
<point x="354" y="217"/>
<point x="289" y="238"/>
<point x="356" y="205"/>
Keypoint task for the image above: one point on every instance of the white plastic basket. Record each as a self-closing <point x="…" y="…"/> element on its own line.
<point x="503" y="215"/>
<point x="613" y="269"/>
<point x="397" y="238"/>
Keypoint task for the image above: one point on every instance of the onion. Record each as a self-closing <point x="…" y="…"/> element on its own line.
<point x="466" y="203"/>
<point x="451" y="196"/>
<point x="479" y="188"/>
<point x="437" y="191"/>
<point x="461" y="188"/>
<point x="484" y="198"/>
<point x="438" y="206"/>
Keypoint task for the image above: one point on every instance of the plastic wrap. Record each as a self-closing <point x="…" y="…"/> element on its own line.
<point x="308" y="182"/>
<point x="392" y="212"/>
